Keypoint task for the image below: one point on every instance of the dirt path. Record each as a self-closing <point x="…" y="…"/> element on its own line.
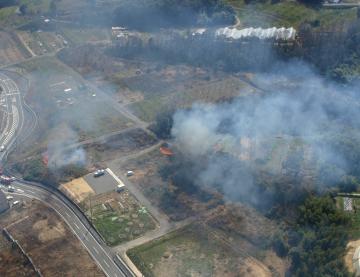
<point x="25" y="45"/>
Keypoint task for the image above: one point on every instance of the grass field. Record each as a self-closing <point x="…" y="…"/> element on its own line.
<point x="290" y="13"/>
<point x="84" y="35"/>
<point x="192" y="251"/>
<point x="209" y="92"/>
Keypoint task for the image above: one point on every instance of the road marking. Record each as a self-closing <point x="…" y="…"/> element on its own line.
<point x="86" y="238"/>
<point x="106" y="263"/>
<point x="96" y="250"/>
<point x="67" y="214"/>
<point x="76" y="226"/>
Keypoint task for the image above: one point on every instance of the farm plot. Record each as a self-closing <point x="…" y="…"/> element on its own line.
<point x="226" y="88"/>
<point x="42" y="42"/>
<point x="118" y="216"/>
<point x="11" y="50"/>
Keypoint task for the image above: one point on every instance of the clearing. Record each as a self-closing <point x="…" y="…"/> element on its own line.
<point x="77" y="189"/>
<point x="193" y="251"/>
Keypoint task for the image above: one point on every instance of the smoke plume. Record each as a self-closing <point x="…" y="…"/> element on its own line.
<point x="300" y="113"/>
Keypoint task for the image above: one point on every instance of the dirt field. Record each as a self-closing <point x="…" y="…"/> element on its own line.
<point x="77" y="189"/>
<point x="12" y="262"/>
<point x="40" y="230"/>
<point x="118" y="216"/>
<point x="194" y="252"/>
<point x="10" y="51"/>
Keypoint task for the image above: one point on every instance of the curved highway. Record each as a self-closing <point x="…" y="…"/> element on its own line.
<point x="11" y="102"/>
<point x="13" y="114"/>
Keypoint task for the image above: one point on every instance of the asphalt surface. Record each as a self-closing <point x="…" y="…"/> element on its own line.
<point x="11" y="102"/>
<point x="77" y="223"/>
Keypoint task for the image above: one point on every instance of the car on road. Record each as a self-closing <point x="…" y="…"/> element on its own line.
<point x="2" y="148"/>
<point x="11" y="189"/>
<point x="99" y="172"/>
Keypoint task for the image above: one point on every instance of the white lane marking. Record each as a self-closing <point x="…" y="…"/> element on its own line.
<point x="67" y="214"/>
<point x="106" y="263"/>
<point x="76" y="225"/>
<point x="85" y="245"/>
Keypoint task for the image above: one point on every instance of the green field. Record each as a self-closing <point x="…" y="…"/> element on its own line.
<point x="290" y="14"/>
<point x="116" y="222"/>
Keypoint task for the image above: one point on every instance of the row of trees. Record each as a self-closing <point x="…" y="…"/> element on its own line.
<point x="150" y="14"/>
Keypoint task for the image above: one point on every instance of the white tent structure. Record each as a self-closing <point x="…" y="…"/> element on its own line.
<point x="269" y="33"/>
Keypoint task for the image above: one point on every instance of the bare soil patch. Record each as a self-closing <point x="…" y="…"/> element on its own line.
<point x="77" y="189"/>
<point x="348" y="258"/>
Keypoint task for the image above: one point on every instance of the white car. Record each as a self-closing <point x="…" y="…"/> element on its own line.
<point x="99" y="172"/>
<point x="2" y="148"/>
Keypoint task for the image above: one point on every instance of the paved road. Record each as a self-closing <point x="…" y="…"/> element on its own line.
<point x="12" y="105"/>
<point x="77" y="223"/>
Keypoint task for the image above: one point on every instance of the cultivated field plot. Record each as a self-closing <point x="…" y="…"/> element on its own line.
<point x="211" y="91"/>
<point x="118" y="216"/>
<point x="86" y="35"/>
<point x="41" y="42"/>
<point x="11" y="50"/>
<point x="193" y="252"/>
<point x="40" y="230"/>
<point x="12" y="262"/>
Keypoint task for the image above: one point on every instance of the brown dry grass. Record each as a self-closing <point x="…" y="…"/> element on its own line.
<point x="77" y="189"/>
<point x="46" y="238"/>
